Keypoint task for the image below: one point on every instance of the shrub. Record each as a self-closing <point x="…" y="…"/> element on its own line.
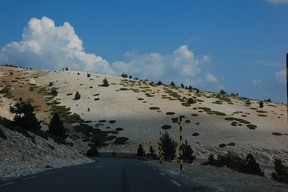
<point x="105" y="83"/>
<point x="191" y="101"/>
<point x="170" y="113"/>
<point x="166" y="127"/>
<point x="222" y="145"/>
<point x="120" y="140"/>
<point x="56" y="127"/>
<point x="93" y="152"/>
<point x="168" y="147"/>
<point x="281" y="173"/>
<point x="140" y="151"/>
<point x="233" y="161"/>
<point x="187" y="153"/>
<point x="154" y="108"/>
<point x="151" y="153"/>
<point x="77" y="96"/>
<point x="24" y="116"/>
<point x="119" y="129"/>
<point x="250" y="126"/>
<point x="172" y="84"/>
<point x="54" y="91"/>
<point x="261" y="104"/>
<point x="195" y="134"/>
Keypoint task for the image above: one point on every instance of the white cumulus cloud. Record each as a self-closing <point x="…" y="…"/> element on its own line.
<point x="211" y="78"/>
<point x="49" y="47"/>
<point x="182" y="63"/>
<point x="46" y="46"/>
<point x="278" y="1"/>
<point x="281" y="76"/>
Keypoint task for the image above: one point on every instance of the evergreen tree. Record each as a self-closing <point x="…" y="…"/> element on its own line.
<point x="105" y="83"/>
<point x="151" y="154"/>
<point x="77" y="96"/>
<point x="172" y="83"/>
<point x="187" y="153"/>
<point x="56" y="127"/>
<point x="168" y="147"/>
<point x="24" y="116"/>
<point x="140" y="151"/>
<point x="182" y="85"/>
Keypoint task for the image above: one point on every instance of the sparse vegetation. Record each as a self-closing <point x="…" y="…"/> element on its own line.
<point x="120" y="140"/>
<point x="233" y="161"/>
<point x="281" y="173"/>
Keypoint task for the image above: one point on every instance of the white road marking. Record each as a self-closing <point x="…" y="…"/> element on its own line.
<point x="28" y="178"/>
<point x="176" y="183"/>
<point x="3" y="185"/>
<point x="162" y="174"/>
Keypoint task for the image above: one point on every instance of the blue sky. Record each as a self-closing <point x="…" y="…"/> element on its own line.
<point x="236" y="45"/>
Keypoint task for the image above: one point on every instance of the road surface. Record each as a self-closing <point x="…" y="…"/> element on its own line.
<point x="105" y="175"/>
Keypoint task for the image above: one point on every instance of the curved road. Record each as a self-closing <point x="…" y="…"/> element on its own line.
<point x="106" y="174"/>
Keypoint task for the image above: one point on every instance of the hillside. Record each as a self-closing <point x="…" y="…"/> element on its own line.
<point x="138" y="110"/>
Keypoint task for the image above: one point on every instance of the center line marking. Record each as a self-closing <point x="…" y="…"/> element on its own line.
<point x="3" y="185"/>
<point x="176" y="183"/>
<point x="28" y="178"/>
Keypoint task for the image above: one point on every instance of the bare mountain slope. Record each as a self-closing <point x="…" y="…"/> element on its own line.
<point x="214" y="124"/>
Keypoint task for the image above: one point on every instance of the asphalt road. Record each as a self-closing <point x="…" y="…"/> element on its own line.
<point x="106" y="174"/>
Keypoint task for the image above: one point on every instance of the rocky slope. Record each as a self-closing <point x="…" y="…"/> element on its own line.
<point x="139" y="110"/>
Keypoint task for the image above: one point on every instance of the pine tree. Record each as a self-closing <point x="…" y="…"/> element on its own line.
<point x="168" y="147"/>
<point x="56" y="127"/>
<point x="187" y="153"/>
<point x="24" y="116"/>
<point x="105" y="83"/>
<point x="172" y="83"/>
<point x="140" y="151"/>
<point x="77" y="96"/>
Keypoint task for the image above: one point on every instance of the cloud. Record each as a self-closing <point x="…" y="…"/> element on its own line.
<point x="256" y="82"/>
<point x="281" y="76"/>
<point x="180" y="64"/>
<point x="49" y="47"/>
<point x="46" y="46"/>
<point x="278" y="1"/>
<point x="211" y="78"/>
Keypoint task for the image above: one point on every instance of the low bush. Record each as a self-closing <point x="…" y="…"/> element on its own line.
<point x="154" y="108"/>
<point x="281" y="173"/>
<point x="233" y="161"/>
<point x="195" y="134"/>
<point x="120" y="140"/>
<point x="165" y="127"/>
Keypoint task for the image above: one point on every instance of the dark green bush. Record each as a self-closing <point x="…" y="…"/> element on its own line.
<point x="281" y="173"/>
<point x="77" y="96"/>
<point x="93" y="151"/>
<point x="233" y="161"/>
<point x="120" y="140"/>
<point x="187" y="153"/>
<point x="166" y="127"/>
<point x="168" y="147"/>
<point x="140" y="151"/>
